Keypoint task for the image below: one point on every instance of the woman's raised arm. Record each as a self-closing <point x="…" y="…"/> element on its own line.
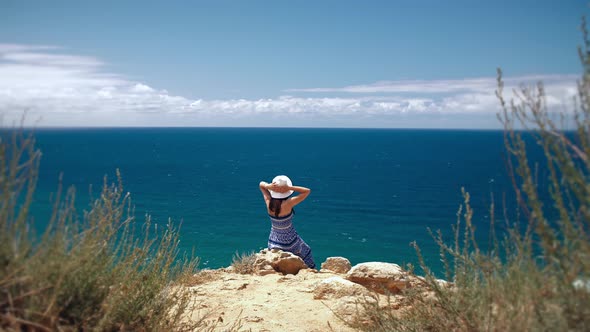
<point x="303" y="193"/>
<point x="264" y="189"/>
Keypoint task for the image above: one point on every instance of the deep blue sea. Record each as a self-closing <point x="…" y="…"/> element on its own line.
<point x="373" y="190"/>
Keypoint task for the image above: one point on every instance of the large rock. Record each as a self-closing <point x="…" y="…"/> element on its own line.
<point x="337" y="287"/>
<point x="379" y="277"/>
<point x="336" y="264"/>
<point x="271" y="261"/>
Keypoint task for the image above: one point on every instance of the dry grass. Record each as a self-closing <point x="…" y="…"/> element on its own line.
<point x="243" y="263"/>
<point x="99" y="270"/>
<point x="525" y="280"/>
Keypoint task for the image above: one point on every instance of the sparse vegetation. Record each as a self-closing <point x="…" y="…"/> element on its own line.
<point x="102" y="270"/>
<point x="99" y="271"/>
<point x="535" y="276"/>
<point x="243" y="263"/>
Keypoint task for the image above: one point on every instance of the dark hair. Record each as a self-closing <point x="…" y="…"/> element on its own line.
<point x="275" y="205"/>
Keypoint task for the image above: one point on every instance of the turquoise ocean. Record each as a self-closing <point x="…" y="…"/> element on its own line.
<point x="373" y="190"/>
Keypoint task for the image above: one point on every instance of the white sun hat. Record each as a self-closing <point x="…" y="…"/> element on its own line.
<point x="281" y="180"/>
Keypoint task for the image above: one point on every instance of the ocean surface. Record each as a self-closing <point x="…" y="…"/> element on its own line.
<point x="373" y="190"/>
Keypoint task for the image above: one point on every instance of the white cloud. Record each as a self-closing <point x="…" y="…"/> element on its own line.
<point x="72" y="90"/>
<point x="470" y="85"/>
<point x="14" y="48"/>
<point x="142" y="88"/>
<point x="50" y="59"/>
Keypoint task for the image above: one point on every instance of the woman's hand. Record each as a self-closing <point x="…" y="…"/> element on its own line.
<point x="277" y="188"/>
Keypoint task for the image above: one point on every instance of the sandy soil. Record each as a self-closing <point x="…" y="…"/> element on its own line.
<point x="264" y="303"/>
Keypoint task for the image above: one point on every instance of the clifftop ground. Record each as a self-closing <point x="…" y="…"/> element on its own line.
<point x="309" y="300"/>
<point x="265" y="303"/>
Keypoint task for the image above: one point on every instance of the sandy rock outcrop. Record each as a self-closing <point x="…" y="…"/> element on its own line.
<point x="337" y="265"/>
<point x="348" y="300"/>
<point x="380" y="277"/>
<point x="353" y="308"/>
<point x="337" y="287"/>
<point x="272" y="261"/>
<point x="293" y="298"/>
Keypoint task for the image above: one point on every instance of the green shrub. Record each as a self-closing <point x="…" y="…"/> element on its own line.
<point x="89" y="272"/>
<point x="536" y="275"/>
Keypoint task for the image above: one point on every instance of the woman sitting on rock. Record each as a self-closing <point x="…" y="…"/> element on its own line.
<point x="279" y="204"/>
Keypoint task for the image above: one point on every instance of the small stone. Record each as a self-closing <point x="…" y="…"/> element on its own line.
<point x="253" y="319"/>
<point x="582" y="284"/>
<point x="337" y="264"/>
<point x="290" y="265"/>
<point x="279" y="261"/>
<point x="379" y="277"/>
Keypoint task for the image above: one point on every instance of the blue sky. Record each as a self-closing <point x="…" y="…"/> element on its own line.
<point x="417" y="64"/>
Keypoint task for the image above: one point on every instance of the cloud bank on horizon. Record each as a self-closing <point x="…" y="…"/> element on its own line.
<point x="67" y="90"/>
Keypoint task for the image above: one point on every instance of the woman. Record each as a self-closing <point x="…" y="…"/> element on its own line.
<point x="279" y="204"/>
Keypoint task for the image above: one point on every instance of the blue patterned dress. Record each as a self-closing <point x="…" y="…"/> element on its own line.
<point x="284" y="237"/>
